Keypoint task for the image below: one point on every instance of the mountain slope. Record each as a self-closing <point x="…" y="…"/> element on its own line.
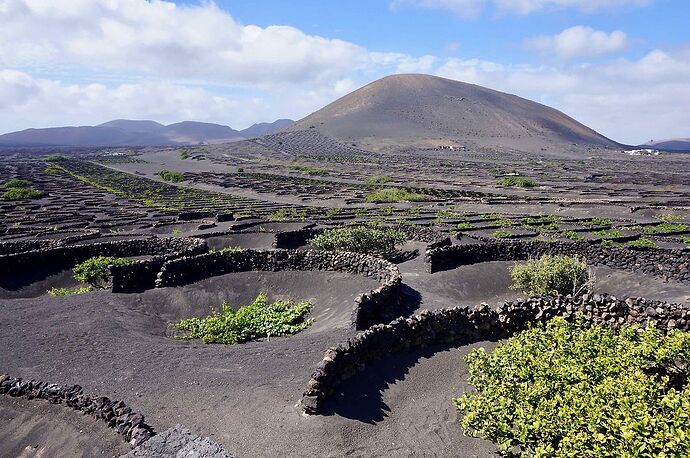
<point x="265" y="128"/>
<point x="431" y="111"/>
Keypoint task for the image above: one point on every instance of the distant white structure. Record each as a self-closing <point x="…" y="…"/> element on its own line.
<point x="643" y="152"/>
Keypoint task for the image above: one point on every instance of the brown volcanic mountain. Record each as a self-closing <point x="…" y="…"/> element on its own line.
<point x="425" y="110"/>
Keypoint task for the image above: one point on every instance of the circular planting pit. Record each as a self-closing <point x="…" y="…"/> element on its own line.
<point x="253" y="240"/>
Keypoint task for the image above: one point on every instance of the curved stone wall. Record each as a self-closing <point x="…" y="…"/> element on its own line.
<point x="376" y="306"/>
<point x="115" y="414"/>
<point x="668" y="264"/>
<point x="463" y="325"/>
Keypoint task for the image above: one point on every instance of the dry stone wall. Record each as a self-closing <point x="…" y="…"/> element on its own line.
<point x="667" y="264"/>
<point x="463" y="325"/>
<point x="376" y="306"/>
<point x="116" y="414"/>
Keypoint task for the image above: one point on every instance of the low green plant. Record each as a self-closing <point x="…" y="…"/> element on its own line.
<point x="642" y="243"/>
<point x="171" y="176"/>
<point x="465" y="226"/>
<point x="255" y="321"/>
<point x="378" y="179"/>
<point x="668" y="218"/>
<point x="685" y="239"/>
<point x="332" y="212"/>
<point x="598" y="221"/>
<point x="394" y="195"/>
<point x="360" y="239"/>
<point x="184" y="154"/>
<point x="551" y="274"/>
<point x="569" y="390"/>
<point x="665" y="227"/>
<point x="94" y="271"/>
<point x="287" y="214"/>
<point x="519" y="182"/>
<point x="572" y="235"/>
<point x="53" y="169"/>
<point x="21" y="194"/>
<point x="502" y="234"/>
<point x="69" y="292"/>
<point x="17" y="183"/>
<point x="610" y="234"/>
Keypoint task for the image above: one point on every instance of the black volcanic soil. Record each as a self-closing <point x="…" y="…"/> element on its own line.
<point x="37" y="428"/>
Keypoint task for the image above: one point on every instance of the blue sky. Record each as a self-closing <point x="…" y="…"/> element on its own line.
<point x="619" y="66"/>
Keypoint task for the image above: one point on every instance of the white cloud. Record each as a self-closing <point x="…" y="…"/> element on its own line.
<point x="629" y="101"/>
<point x="164" y="39"/>
<point x="473" y="8"/>
<point x="579" y="41"/>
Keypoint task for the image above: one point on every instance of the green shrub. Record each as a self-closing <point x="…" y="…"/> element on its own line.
<point x="502" y="234"/>
<point x="598" y="221"/>
<point x="665" y="227"/>
<point x="54" y="158"/>
<point x="332" y="212"/>
<point x="69" y="292"/>
<point x="378" y="179"/>
<point x="670" y="218"/>
<point x="53" y="169"/>
<point x="251" y="322"/>
<point x="94" y="271"/>
<point x="359" y="239"/>
<point x="287" y="214"/>
<point x="548" y="274"/>
<point x="566" y="390"/>
<point x="21" y="194"/>
<point x="611" y="234"/>
<point x="394" y="195"/>
<point x="572" y="235"/>
<point x="184" y="154"/>
<point x="642" y="243"/>
<point x="17" y="183"/>
<point x="465" y="226"/>
<point x="519" y="182"/>
<point x="171" y="176"/>
<point x="685" y="239"/>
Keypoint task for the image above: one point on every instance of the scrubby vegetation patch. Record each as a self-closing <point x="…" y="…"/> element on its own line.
<point x="261" y="319"/>
<point x="171" y="176"/>
<point x="567" y="390"/>
<point x="359" y="239"/>
<point x="551" y="273"/>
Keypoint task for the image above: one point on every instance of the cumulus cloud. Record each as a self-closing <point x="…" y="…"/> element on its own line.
<point x="473" y="8"/>
<point x="628" y="100"/>
<point x="161" y="38"/>
<point x="579" y="41"/>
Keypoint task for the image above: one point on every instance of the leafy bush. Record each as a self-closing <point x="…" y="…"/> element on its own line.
<point x="394" y="195"/>
<point x="171" y="176"/>
<point x="17" y="183"/>
<point x="572" y="235"/>
<point x="668" y="218"/>
<point x="519" y="182"/>
<point x="251" y="322"/>
<point x="94" y="271"/>
<point x="611" y="234"/>
<point x="52" y="169"/>
<point x="359" y="239"/>
<point x="549" y="274"/>
<point x="642" y="243"/>
<point x="69" y="292"/>
<point x="502" y="234"/>
<point x="565" y="390"/>
<point x="685" y="240"/>
<point x="184" y="154"/>
<point x="465" y="226"/>
<point x="665" y="227"/>
<point x="287" y="214"/>
<point x="378" y="179"/>
<point x="21" y="194"/>
<point x="598" y="221"/>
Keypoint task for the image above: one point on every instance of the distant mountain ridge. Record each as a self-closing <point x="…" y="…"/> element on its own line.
<point x="127" y="132"/>
<point x="673" y="144"/>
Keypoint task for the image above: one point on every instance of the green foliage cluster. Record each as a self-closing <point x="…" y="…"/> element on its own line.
<point x="520" y="182"/>
<point x="465" y="226"/>
<point x="665" y="227"/>
<point x="54" y="158"/>
<point x="541" y="219"/>
<point x="309" y="170"/>
<point x="394" y="195"/>
<point x="260" y="319"/>
<point x="668" y="218"/>
<point x="171" y="176"/>
<point x="610" y="234"/>
<point x="94" y="271"/>
<point x="184" y="154"/>
<point x="17" y="183"/>
<point x="572" y="235"/>
<point x="567" y="390"/>
<point x="69" y="292"/>
<point x="598" y="221"/>
<point x="642" y="243"/>
<point x="332" y="212"/>
<point x="378" y="179"/>
<point x="502" y="234"/>
<point x="549" y="274"/>
<point x="52" y="169"/>
<point x="360" y="239"/>
<point x="21" y="194"/>
<point x="685" y="239"/>
<point x="287" y="214"/>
